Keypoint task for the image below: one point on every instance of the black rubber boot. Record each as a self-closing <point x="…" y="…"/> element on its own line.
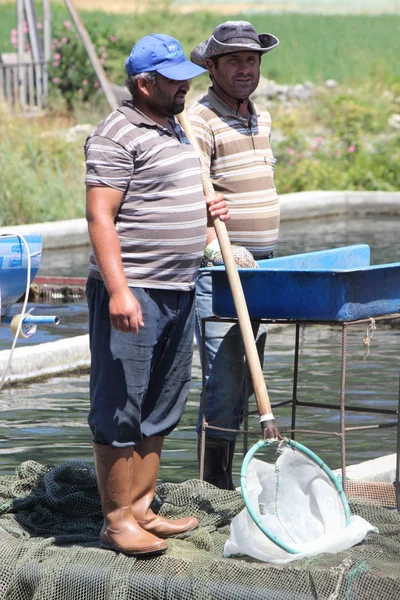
<point x="230" y="464"/>
<point x="218" y="459"/>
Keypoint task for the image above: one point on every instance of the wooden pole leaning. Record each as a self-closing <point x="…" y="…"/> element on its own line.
<point x="253" y="361"/>
<point x="91" y="52"/>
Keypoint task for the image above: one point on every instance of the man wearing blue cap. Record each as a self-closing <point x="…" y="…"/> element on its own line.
<point x="147" y="224"/>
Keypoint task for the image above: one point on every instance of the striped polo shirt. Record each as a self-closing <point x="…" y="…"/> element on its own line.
<point x="237" y="156"/>
<point x="161" y="221"/>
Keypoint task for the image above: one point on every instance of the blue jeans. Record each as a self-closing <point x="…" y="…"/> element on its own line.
<point x="139" y="383"/>
<point x="224" y="363"/>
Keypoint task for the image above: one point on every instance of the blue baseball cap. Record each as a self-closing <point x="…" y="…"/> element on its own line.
<point x="161" y="53"/>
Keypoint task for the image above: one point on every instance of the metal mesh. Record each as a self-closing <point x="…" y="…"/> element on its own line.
<point x="381" y="493"/>
<point x="50" y="520"/>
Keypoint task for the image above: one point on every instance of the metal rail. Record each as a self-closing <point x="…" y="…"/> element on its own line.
<point x="295" y="402"/>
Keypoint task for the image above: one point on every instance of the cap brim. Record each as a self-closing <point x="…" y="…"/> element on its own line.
<point x="185" y="70"/>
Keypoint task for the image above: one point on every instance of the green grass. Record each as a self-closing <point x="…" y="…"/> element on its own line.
<point x="339" y="140"/>
<point x="42" y="175"/>
<point x="350" y="49"/>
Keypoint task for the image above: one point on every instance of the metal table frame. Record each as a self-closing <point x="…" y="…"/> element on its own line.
<point x="295" y="402"/>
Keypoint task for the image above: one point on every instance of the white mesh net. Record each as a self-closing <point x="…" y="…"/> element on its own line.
<point x="298" y="504"/>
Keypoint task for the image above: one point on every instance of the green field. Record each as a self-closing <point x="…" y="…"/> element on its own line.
<point x="340" y="139"/>
<point x="350" y="49"/>
<point x="310" y="6"/>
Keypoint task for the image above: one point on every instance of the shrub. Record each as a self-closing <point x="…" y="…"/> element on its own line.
<point x="337" y="142"/>
<point x="351" y="119"/>
<point x="71" y="73"/>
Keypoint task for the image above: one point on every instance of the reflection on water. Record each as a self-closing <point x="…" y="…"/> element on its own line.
<point x="46" y="421"/>
<point x="380" y="233"/>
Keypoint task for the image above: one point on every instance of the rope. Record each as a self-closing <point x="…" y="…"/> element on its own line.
<point x="367" y="339"/>
<point x="23" y="311"/>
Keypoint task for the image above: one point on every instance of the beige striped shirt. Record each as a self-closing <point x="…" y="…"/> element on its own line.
<point x="237" y="156"/>
<point x="161" y="221"/>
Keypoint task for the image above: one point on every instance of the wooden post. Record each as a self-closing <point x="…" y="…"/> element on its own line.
<point x="91" y="52"/>
<point x="46" y="46"/>
<point x="15" y="84"/>
<point x="21" y="52"/>
<point x="36" y="50"/>
<point x="2" y="87"/>
<point x="8" y="84"/>
<point x="31" y="84"/>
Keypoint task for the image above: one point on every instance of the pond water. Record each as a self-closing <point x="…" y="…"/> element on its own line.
<point x="46" y="420"/>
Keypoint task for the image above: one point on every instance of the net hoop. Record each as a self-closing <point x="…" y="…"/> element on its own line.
<point x="295" y="445"/>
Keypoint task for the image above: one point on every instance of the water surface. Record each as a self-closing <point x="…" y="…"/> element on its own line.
<point x="46" y="420"/>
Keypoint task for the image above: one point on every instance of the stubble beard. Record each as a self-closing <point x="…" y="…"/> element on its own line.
<point x="233" y="91"/>
<point x="163" y="109"/>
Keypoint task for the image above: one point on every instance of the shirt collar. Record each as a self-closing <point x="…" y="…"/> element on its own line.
<point x="137" y="117"/>
<point x="225" y="110"/>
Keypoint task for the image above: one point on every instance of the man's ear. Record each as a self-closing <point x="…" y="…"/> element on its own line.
<point x="143" y="86"/>
<point x="210" y="65"/>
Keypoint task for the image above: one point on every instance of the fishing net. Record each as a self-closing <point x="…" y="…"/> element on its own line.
<point x="378" y="492"/>
<point x="213" y="256"/>
<point x="50" y="520"/>
<point x="295" y="507"/>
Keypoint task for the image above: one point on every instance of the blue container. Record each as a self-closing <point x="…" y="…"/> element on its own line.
<point x="14" y="266"/>
<point x="329" y="285"/>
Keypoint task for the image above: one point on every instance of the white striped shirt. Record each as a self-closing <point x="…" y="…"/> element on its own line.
<point x="237" y="158"/>
<point x="161" y="221"/>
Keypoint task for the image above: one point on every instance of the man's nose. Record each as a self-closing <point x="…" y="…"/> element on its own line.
<point x="244" y="69"/>
<point x="185" y="85"/>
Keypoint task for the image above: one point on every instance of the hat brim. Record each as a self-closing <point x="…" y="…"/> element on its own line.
<point x="185" y="70"/>
<point x="212" y="47"/>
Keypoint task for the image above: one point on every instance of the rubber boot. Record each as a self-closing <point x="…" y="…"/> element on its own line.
<point x="146" y="462"/>
<point x="218" y="460"/>
<point x="231" y="456"/>
<point x="121" y="532"/>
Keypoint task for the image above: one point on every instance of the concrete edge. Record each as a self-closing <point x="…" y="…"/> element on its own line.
<point x="301" y="205"/>
<point x="55" y="234"/>
<point x="382" y="470"/>
<point x="319" y="204"/>
<point x="48" y="359"/>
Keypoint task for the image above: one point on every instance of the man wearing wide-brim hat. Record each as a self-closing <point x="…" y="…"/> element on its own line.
<point x="234" y="139"/>
<point x="232" y="36"/>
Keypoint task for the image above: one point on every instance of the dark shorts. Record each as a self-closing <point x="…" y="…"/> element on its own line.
<point x="139" y="383"/>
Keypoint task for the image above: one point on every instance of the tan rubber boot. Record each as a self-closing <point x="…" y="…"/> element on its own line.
<point x="146" y="460"/>
<point x="121" y="532"/>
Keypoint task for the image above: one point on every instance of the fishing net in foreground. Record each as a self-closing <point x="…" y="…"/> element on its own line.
<point x="50" y="520"/>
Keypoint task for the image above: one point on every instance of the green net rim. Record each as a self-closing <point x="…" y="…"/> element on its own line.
<point x="292" y="443"/>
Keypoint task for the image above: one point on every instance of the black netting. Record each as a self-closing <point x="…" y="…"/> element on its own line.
<point x="50" y="520"/>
